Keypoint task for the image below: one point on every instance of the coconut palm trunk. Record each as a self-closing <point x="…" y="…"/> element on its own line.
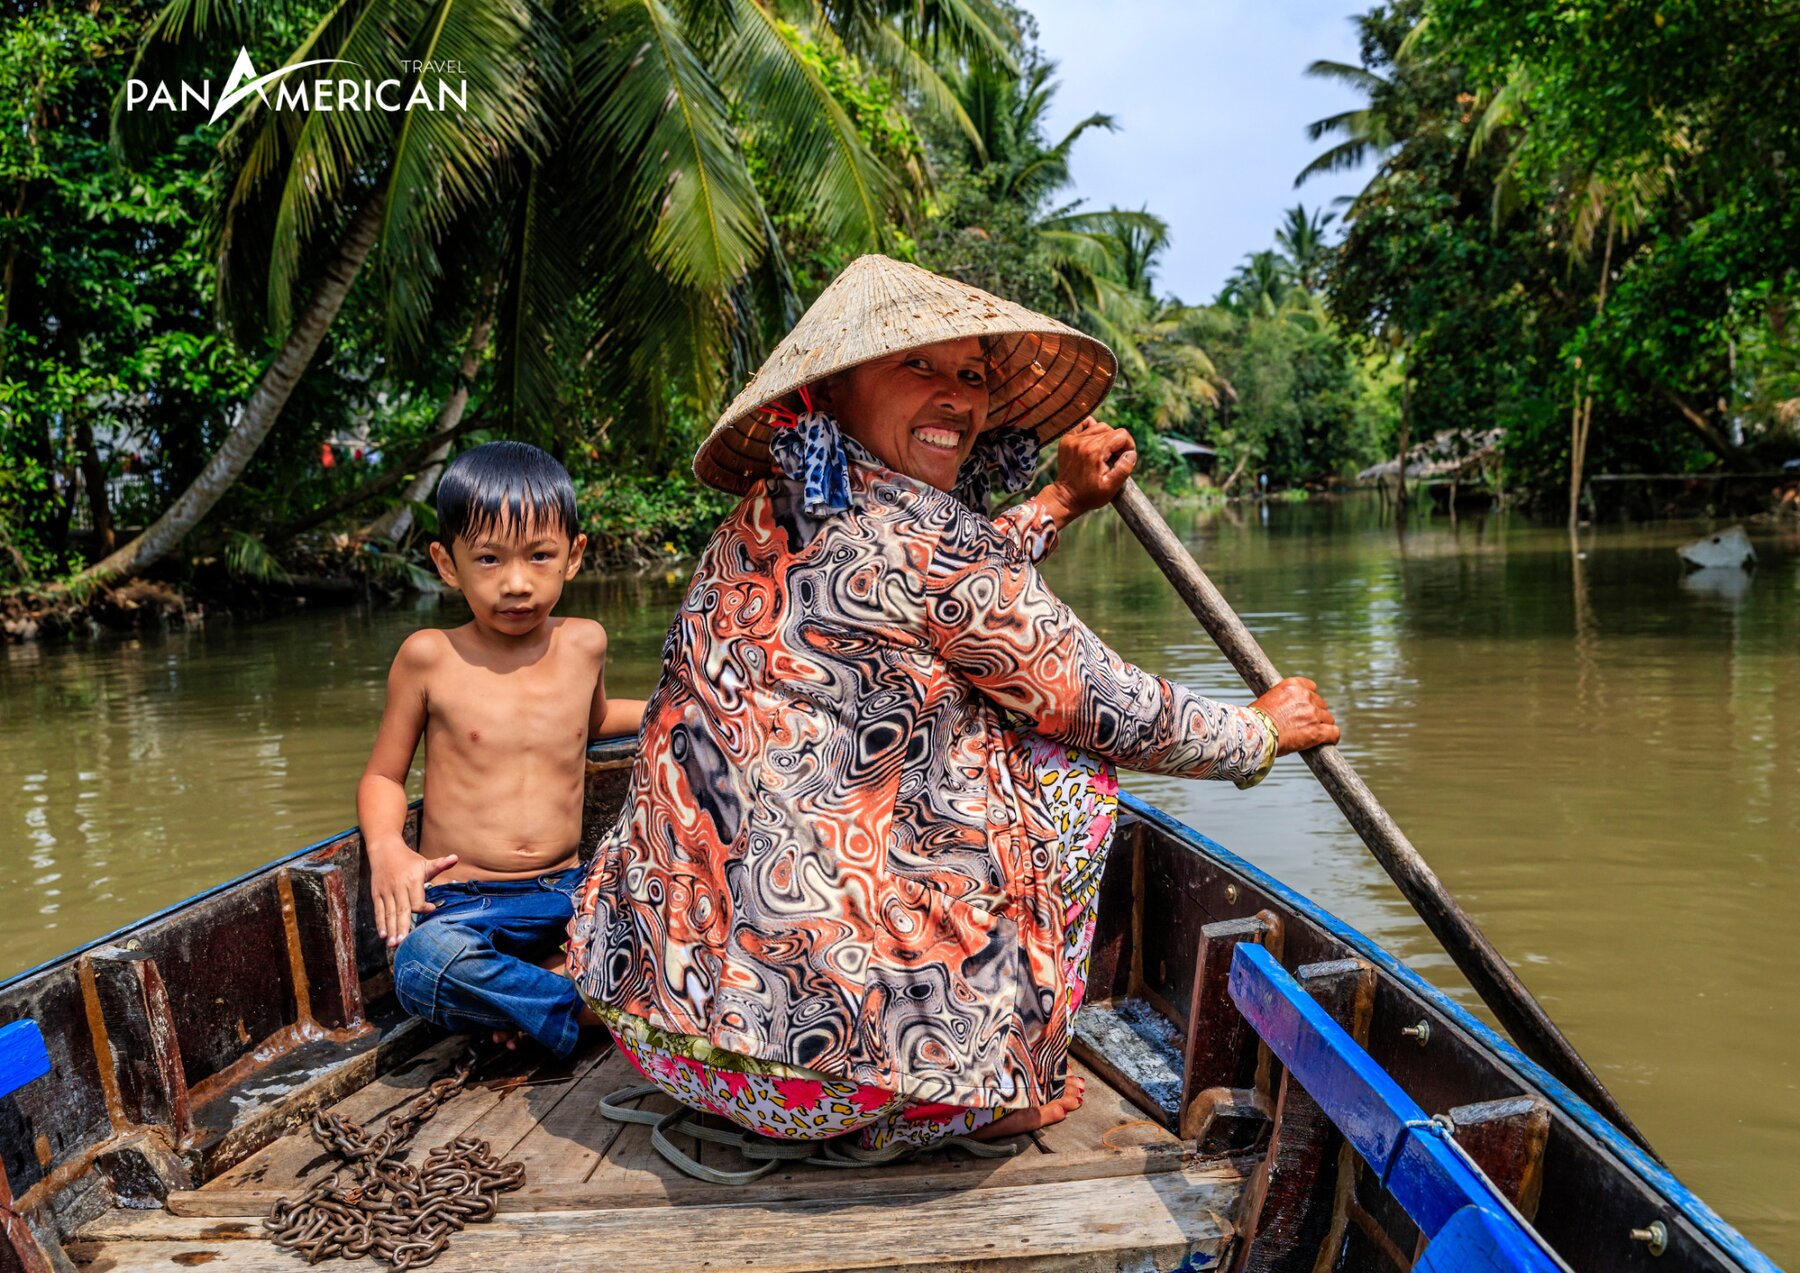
<point x="257" y="416"/>
<point x="393" y="524"/>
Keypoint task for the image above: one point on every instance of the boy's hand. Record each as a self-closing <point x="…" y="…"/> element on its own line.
<point x="398" y="880"/>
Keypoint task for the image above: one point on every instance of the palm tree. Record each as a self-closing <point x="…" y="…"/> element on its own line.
<point x="1301" y="239"/>
<point x="1258" y="286"/>
<point x="596" y="160"/>
<point x="1183" y="377"/>
<point x="1100" y="260"/>
<point x="1365" y="130"/>
<point x="1006" y="109"/>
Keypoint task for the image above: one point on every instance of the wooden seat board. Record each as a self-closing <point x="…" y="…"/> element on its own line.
<point x="570" y="1140"/>
<point x="1159" y="1220"/>
<point x="576" y="1158"/>
<point x="507" y="1121"/>
<point x="1106" y="1120"/>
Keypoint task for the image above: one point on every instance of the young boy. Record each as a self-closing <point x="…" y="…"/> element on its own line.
<point x="506" y="704"/>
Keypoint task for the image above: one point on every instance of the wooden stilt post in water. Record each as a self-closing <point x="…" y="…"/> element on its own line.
<point x="1522" y="1016"/>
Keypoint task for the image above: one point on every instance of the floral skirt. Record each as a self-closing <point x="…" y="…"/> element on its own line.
<point x="792" y="1103"/>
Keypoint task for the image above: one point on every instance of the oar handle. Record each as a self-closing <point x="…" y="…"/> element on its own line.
<point x="1499" y="987"/>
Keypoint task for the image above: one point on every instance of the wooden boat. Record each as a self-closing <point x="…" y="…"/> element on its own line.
<point x="1263" y="1086"/>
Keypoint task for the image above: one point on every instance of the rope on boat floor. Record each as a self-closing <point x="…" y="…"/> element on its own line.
<point x="382" y="1205"/>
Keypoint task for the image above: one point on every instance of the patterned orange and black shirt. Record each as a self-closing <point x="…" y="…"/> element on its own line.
<point x="832" y="852"/>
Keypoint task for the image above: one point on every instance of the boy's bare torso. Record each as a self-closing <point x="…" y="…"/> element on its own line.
<point x="505" y="749"/>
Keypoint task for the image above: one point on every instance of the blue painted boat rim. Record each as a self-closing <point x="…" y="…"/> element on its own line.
<point x="1657" y="1177"/>
<point x="23" y="1056"/>
<point x="1413" y="1156"/>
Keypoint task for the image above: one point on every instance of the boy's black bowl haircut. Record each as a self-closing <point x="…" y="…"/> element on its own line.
<point x="509" y="487"/>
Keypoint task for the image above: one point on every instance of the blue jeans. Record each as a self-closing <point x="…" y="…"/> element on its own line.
<point x="471" y="964"/>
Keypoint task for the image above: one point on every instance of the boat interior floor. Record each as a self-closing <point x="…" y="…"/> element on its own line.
<point x="1108" y="1188"/>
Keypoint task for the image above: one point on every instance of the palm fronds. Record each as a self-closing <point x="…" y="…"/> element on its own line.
<point x="823" y="155"/>
<point x="249" y="558"/>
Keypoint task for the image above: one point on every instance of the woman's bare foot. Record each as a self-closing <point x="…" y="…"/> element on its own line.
<point x="510" y="1038"/>
<point x="1029" y="1120"/>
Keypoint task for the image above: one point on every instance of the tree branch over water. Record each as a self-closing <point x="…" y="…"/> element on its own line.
<point x="379" y="484"/>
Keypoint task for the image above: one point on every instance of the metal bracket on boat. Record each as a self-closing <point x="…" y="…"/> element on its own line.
<point x="1654" y="1236"/>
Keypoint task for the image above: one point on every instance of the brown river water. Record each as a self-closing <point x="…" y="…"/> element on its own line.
<point x="1600" y="756"/>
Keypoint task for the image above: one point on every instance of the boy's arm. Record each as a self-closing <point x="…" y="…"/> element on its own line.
<point x="608" y="716"/>
<point x="397" y="875"/>
<point x="620" y="716"/>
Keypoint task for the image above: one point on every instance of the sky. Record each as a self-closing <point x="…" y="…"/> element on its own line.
<point x="1211" y="100"/>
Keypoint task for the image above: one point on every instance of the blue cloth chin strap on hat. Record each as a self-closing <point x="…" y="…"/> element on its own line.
<point x="815" y="452"/>
<point x="812" y="453"/>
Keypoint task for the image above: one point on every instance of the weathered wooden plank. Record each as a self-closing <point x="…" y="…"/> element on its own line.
<point x="1106" y="1120"/>
<point x="1158" y="1220"/>
<point x="569" y="1141"/>
<point x="1221" y="1046"/>
<point x="1506" y="1139"/>
<point x="1226" y="1120"/>
<point x="140" y="1033"/>
<point x="1110" y="959"/>
<point x="326" y="930"/>
<point x="605" y="1191"/>
<point x="229" y="980"/>
<point x="295" y="1159"/>
<point x="520" y="1110"/>
<point x="1295" y="1211"/>
<point x="46" y="1128"/>
<point x="1174" y="895"/>
<point x="21" y="1248"/>
<point x="290" y="1087"/>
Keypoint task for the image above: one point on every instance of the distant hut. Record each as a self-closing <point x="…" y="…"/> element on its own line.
<point x="1449" y="461"/>
<point x="1202" y="461"/>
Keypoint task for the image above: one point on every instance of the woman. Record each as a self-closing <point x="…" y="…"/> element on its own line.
<point x="853" y="885"/>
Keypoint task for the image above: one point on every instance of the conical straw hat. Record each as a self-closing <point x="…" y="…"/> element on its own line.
<point x="1044" y="375"/>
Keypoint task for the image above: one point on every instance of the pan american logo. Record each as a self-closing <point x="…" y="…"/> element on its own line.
<point x="320" y="93"/>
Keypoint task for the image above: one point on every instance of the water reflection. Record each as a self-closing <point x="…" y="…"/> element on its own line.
<point x="1596" y="751"/>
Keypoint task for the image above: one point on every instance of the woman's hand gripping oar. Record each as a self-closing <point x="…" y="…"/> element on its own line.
<point x="1522" y="1016"/>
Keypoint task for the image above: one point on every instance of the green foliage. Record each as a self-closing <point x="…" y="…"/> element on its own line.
<point x="636" y="204"/>
<point x="642" y="514"/>
<point x="1572" y="205"/>
<point x="103" y="336"/>
<point x="248" y="557"/>
<point x="111" y="355"/>
<point x="399" y="569"/>
<point x="814" y="252"/>
<point x="1299" y="410"/>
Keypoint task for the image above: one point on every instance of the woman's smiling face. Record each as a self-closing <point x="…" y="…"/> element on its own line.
<point x="918" y="411"/>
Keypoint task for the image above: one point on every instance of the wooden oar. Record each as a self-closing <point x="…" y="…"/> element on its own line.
<point x="1496" y="983"/>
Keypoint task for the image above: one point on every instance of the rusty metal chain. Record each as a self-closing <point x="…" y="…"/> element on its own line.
<point x="384" y="1206"/>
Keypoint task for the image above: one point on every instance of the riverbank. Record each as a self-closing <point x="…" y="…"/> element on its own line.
<point x="208" y="588"/>
<point x="637" y="527"/>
